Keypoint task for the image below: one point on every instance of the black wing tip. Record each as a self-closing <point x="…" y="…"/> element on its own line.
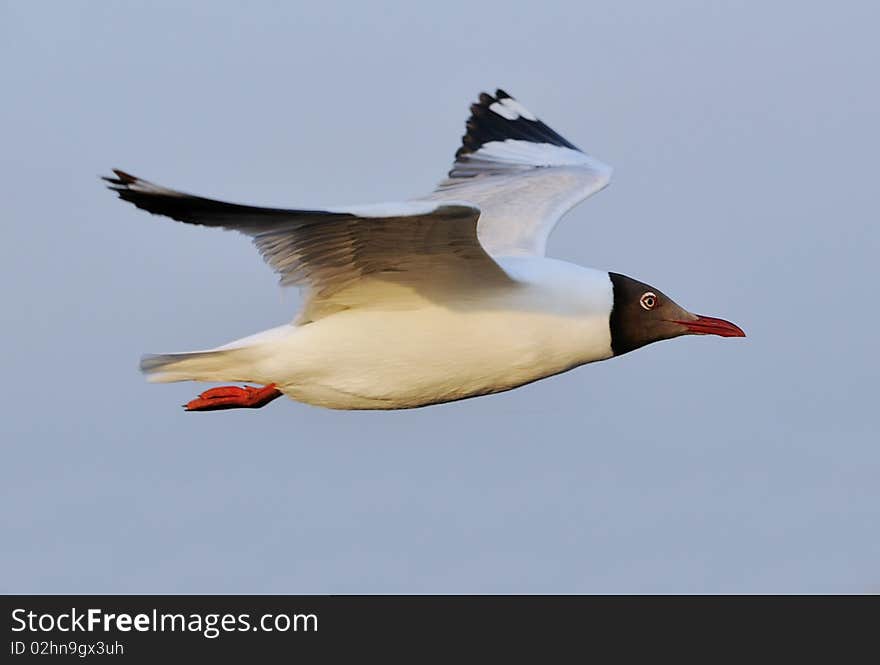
<point x="127" y="178"/>
<point x="510" y="122"/>
<point x="471" y="140"/>
<point x="122" y="179"/>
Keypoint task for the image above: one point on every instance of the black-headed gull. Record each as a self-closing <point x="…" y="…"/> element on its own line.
<point x="435" y="299"/>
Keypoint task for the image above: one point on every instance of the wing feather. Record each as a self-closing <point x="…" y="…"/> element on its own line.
<point x="522" y="174"/>
<point x="420" y="245"/>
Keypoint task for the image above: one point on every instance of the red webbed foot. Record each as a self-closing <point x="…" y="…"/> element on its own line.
<point x="233" y="397"/>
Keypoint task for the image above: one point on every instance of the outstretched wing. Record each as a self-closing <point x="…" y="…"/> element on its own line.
<point x="419" y="246"/>
<point x="522" y="174"/>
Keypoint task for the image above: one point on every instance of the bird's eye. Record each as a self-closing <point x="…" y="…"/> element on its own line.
<point x="648" y="300"/>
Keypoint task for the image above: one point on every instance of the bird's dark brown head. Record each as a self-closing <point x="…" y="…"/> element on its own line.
<point x="643" y="314"/>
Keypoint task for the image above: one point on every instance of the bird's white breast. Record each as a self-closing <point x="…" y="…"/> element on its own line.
<point x="481" y="341"/>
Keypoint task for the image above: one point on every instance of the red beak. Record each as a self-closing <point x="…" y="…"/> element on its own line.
<point x="707" y="325"/>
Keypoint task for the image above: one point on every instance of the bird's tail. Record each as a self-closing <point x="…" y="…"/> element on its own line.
<point x="221" y="365"/>
<point x="243" y="360"/>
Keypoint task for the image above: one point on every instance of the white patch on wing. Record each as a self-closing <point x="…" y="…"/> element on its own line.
<point x="504" y="111"/>
<point x="518" y="109"/>
<point x="527" y="153"/>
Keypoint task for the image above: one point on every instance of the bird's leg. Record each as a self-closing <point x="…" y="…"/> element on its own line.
<point x="232" y="397"/>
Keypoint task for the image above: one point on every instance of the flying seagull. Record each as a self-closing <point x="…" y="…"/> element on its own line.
<point x="435" y="299"/>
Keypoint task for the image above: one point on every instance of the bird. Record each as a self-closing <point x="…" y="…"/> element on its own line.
<point x="434" y="299"/>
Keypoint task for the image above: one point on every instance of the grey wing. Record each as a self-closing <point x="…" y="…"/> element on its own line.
<point x="522" y="174"/>
<point x="419" y="245"/>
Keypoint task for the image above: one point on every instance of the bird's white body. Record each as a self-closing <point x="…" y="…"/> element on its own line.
<point x="405" y="350"/>
<point x="429" y="300"/>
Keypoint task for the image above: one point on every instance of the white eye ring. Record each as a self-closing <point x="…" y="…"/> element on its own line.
<point x="648" y="300"/>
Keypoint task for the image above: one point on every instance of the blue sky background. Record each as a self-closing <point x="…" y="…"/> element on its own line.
<point x="744" y="137"/>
